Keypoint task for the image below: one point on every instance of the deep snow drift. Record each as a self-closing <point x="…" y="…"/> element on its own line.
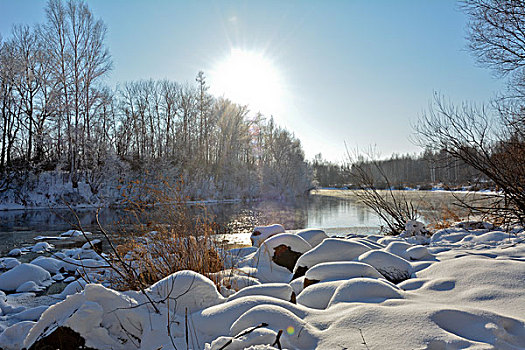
<point x="463" y="288"/>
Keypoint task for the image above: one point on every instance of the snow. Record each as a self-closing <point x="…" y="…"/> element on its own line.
<point x="463" y="290"/>
<point x="49" y="264"/>
<point x="11" y="280"/>
<point x="261" y="233"/>
<point x="8" y="263"/>
<point x="74" y="233"/>
<point x="15" y="252"/>
<point x="41" y="247"/>
<point x="389" y="265"/>
<point x="314" y="236"/>
<point x="331" y="271"/>
<point x="331" y="249"/>
<point x="277" y="290"/>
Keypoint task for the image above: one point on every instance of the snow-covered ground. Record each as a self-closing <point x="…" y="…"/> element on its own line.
<point x="464" y="287"/>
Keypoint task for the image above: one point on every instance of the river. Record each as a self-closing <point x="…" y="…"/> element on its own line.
<point x="337" y="212"/>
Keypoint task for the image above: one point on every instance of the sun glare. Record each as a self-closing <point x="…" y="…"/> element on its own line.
<point x="248" y="77"/>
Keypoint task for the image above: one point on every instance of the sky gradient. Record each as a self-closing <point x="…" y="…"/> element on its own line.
<point x="359" y="72"/>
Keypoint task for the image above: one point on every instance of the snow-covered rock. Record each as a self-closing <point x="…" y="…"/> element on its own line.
<point x="41" y="247"/>
<point x="364" y="290"/>
<point x="277" y="290"/>
<point x="342" y="270"/>
<point x="314" y="236"/>
<point x="11" y="339"/>
<point x="277" y="256"/>
<point x="74" y="233"/>
<point x="29" y="286"/>
<point x="15" y="252"/>
<point x="49" y="264"/>
<point x="318" y="296"/>
<point x="330" y="250"/>
<point x="393" y="267"/>
<point x="418" y="252"/>
<point x="399" y="249"/>
<point x="14" y="278"/>
<point x="73" y="287"/>
<point x="186" y="290"/>
<point x="8" y="263"/>
<point x="261" y="233"/>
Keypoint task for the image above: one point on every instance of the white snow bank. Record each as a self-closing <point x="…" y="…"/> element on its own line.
<point x="14" y="278"/>
<point x="261" y="233"/>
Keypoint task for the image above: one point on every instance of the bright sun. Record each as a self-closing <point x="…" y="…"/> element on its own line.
<point x="248" y="77"/>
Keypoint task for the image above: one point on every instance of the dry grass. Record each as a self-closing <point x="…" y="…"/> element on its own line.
<point x="161" y="237"/>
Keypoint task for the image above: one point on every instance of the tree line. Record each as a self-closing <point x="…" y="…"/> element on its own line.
<point x="422" y="171"/>
<point x="57" y="114"/>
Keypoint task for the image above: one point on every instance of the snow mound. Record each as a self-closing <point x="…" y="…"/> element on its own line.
<point x="10" y="338"/>
<point x="394" y="268"/>
<point x="49" y="264"/>
<point x="277" y="317"/>
<point x="186" y="290"/>
<point x="399" y="249"/>
<point x="261" y="233"/>
<point x="73" y="288"/>
<point x="313" y="236"/>
<point x="487" y="238"/>
<point x="15" y="252"/>
<point x="277" y="256"/>
<point x="330" y="250"/>
<point x="332" y="271"/>
<point x="29" y="286"/>
<point x="317" y="296"/>
<point x="41" y="247"/>
<point x="11" y="280"/>
<point x="8" y="263"/>
<point x="418" y="252"/>
<point x="276" y="290"/>
<point x="365" y="290"/>
<point x="74" y="233"/>
<point x="256" y="339"/>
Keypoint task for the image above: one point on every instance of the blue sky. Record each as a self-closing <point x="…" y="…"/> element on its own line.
<point x="359" y="72"/>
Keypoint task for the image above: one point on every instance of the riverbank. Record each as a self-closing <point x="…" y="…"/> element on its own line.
<point x="463" y="289"/>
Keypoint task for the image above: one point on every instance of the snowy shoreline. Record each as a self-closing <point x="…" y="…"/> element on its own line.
<point x="463" y="288"/>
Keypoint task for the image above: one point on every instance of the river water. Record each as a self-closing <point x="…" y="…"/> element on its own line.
<point x="335" y="212"/>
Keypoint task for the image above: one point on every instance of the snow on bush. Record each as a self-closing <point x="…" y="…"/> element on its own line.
<point x="11" y="280"/>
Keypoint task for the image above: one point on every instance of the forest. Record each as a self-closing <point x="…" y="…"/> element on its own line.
<point x="58" y="117"/>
